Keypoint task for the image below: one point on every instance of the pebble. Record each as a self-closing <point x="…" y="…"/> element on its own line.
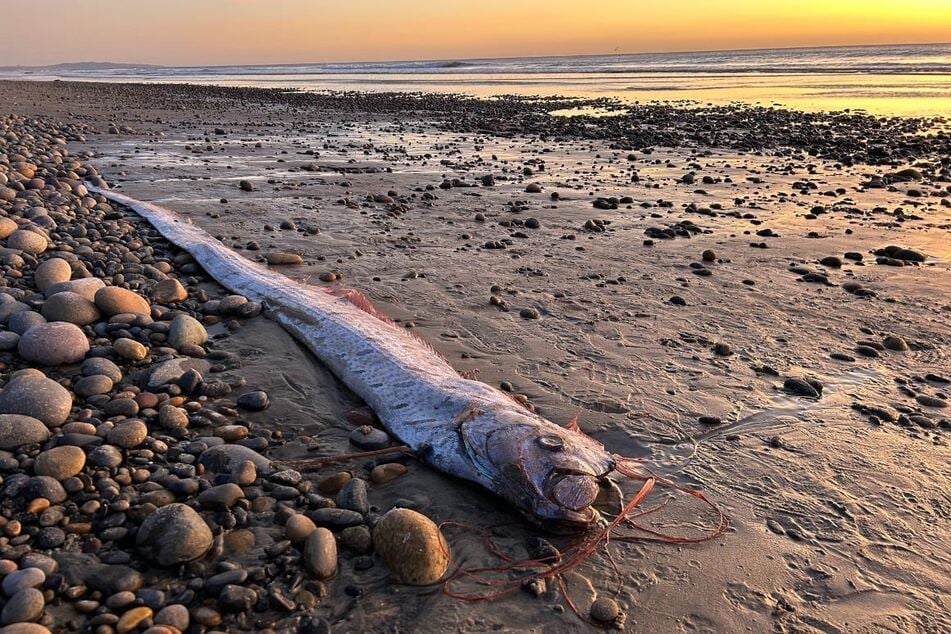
<point x="23" y="579"/>
<point x="60" y="462"/>
<point x="112" y="300"/>
<point x="221" y="497"/>
<point x="353" y="496"/>
<point x="53" y="344"/>
<point x="605" y="610"/>
<point x="130" y="349"/>
<point x="279" y="258"/>
<point x="168" y="291"/>
<point x="383" y="473"/>
<point x="369" y="438"/>
<point x="52" y="271"/>
<point x="254" y="401"/>
<point x="132" y="619"/>
<point x="412" y="547"/>
<point x="320" y="554"/>
<point x="173" y="535"/>
<point x="25" y="606"/>
<point x="128" y="434"/>
<point x="175" y="615"/>
<point x="298" y="527"/>
<point x="185" y="331"/>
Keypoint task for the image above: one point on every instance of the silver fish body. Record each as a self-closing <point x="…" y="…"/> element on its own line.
<point x="461" y="427"/>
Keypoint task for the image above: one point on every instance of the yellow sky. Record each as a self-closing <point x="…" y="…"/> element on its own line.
<point x="285" y="31"/>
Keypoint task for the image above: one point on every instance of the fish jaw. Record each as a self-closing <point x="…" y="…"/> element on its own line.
<point x="552" y="475"/>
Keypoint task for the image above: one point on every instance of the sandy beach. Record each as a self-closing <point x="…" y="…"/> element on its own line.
<point x="756" y="302"/>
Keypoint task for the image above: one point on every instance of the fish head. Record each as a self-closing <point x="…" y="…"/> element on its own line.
<point x="553" y="475"/>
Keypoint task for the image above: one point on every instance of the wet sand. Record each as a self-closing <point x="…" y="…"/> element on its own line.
<point x="838" y="518"/>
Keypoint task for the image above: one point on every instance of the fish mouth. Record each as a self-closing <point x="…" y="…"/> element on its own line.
<point x="571" y="490"/>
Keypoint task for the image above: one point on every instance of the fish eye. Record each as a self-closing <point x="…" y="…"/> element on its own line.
<point x="551" y="443"/>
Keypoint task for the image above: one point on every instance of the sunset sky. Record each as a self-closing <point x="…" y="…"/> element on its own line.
<point x="200" y="32"/>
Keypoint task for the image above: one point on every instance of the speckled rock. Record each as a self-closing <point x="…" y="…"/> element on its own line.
<point x="28" y="241"/>
<point x="60" y="462"/>
<point x="36" y="396"/>
<point x="412" y="546"/>
<point x="17" y="430"/>
<point x="52" y="271"/>
<point x="70" y="307"/>
<point x="55" y="343"/>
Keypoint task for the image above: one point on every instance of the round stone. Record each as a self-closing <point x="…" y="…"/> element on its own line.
<point x="9" y="341"/>
<point x="221" y="497"/>
<point x="55" y="343"/>
<point x="92" y="385"/>
<point x="412" y="546"/>
<point x="44" y="487"/>
<point x="23" y="579"/>
<point x="28" y="241"/>
<point x="132" y="619"/>
<point x="17" y="430"/>
<point x="174" y="534"/>
<point x="36" y="396"/>
<point x="24" y="320"/>
<point x="226" y="458"/>
<point x="70" y="307"/>
<point x="254" y="401"/>
<point x="7" y="226"/>
<point x="25" y="606"/>
<point x="299" y="527"/>
<point x="52" y="271"/>
<point x="169" y="291"/>
<point x="60" y="462"/>
<point x="383" y="473"/>
<point x="130" y="349"/>
<point x="171" y="417"/>
<point x="175" y="615"/>
<point x="369" y="438"/>
<point x="101" y="366"/>
<point x="320" y="554"/>
<point x="113" y="300"/>
<point x="605" y="610"/>
<point x="128" y="434"/>
<point x="186" y="330"/>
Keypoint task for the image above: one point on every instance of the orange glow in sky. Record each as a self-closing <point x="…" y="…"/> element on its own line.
<point x="199" y="32"/>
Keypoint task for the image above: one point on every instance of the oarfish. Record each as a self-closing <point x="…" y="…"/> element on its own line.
<point x="460" y="426"/>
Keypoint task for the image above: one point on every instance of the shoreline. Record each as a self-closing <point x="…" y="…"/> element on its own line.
<point x="388" y="197"/>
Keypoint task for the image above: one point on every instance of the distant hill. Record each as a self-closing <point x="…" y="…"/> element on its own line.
<point x="79" y="66"/>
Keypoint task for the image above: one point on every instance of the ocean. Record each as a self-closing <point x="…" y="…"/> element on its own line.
<point x="912" y="80"/>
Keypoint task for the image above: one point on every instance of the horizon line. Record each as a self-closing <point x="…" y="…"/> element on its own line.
<point x="502" y="58"/>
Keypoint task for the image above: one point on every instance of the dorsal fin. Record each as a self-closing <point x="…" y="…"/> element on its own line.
<point x="361" y="301"/>
<point x="572" y="425"/>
